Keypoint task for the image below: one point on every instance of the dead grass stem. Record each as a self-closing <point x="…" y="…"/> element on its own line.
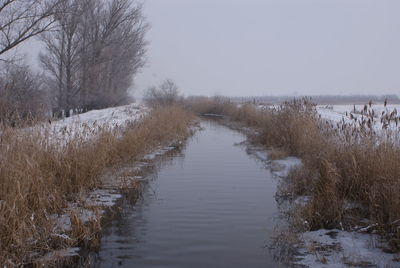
<point x="347" y="165"/>
<point x="39" y="176"/>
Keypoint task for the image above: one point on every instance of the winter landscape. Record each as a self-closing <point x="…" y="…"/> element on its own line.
<point x="207" y="133"/>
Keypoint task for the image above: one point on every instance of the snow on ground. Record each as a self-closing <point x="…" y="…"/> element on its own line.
<point x="336" y="248"/>
<point x="281" y="168"/>
<point x="332" y="115"/>
<point x="330" y="248"/>
<point x="335" y="113"/>
<point x="379" y="108"/>
<point x="92" y="205"/>
<point x="385" y="123"/>
<point x="110" y="117"/>
<point x="86" y="125"/>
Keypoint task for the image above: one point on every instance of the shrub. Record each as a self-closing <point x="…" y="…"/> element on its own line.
<point x="166" y="93"/>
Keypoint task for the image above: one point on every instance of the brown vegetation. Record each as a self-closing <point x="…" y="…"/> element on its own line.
<point x="276" y="154"/>
<point x="350" y="172"/>
<point x="38" y="176"/>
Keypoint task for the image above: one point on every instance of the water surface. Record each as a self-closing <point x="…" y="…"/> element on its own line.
<point x="214" y="207"/>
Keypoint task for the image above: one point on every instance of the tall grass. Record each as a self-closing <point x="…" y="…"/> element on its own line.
<point x="38" y="176"/>
<point x="350" y="172"/>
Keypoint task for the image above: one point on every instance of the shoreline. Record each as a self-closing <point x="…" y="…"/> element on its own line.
<point x="72" y="183"/>
<point x="321" y="248"/>
<point x="101" y="204"/>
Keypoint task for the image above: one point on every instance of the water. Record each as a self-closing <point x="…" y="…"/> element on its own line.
<point x="214" y="207"/>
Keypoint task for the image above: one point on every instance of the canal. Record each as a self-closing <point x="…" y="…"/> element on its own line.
<point x="213" y="206"/>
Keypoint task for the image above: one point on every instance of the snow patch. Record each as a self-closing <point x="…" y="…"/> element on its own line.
<point x="103" y="197"/>
<point x="281" y="168"/>
<point x="336" y="248"/>
<point x="63" y="253"/>
<point x="88" y="125"/>
<point x="110" y="117"/>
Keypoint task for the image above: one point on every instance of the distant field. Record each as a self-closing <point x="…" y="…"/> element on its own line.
<point x="337" y="113"/>
<point x="351" y="113"/>
<point x="324" y="99"/>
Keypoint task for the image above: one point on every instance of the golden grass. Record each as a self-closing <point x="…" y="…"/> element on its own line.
<point x="277" y="153"/>
<point x="342" y="165"/>
<point x="39" y="176"/>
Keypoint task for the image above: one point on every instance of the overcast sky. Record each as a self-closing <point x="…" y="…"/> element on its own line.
<point x="274" y="47"/>
<point x="262" y="47"/>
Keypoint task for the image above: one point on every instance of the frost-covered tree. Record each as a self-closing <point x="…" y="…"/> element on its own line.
<point x="92" y="57"/>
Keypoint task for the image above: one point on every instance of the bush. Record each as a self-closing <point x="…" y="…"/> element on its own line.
<point x="166" y="93"/>
<point x="22" y="96"/>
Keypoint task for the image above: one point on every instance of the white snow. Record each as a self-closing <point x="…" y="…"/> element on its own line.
<point x="90" y="206"/>
<point x="103" y="197"/>
<point x="332" y="115"/>
<point x="114" y="117"/>
<point x="379" y="108"/>
<point x="87" y="125"/>
<point x="54" y="255"/>
<point x="158" y="152"/>
<point x="279" y="168"/>
<point x="282" y="167"/>
<point x="262" y="155"/>
<point x="336" y="248"/>
<point x="337" y="113"/>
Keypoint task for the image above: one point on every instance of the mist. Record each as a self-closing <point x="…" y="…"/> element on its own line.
<point x="265" y="47"/>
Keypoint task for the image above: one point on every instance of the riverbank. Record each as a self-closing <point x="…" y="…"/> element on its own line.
<point x="345" y="184"/>
<point x="213" y="199"/>
<point x="55" y="184"/>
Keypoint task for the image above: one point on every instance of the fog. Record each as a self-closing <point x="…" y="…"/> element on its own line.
<point x="273" y="47"/>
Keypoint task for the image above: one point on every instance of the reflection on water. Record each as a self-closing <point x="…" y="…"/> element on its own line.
<point x="214" y="207"/>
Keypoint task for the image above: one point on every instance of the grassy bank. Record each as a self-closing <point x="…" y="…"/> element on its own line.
<point x="350" y="172"/>
<point x="39" y="175"/>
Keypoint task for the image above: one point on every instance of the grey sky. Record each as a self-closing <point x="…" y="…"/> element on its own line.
<point x="271" y="47"/>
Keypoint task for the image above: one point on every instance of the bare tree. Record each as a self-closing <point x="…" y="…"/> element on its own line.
<point x="93" y="55"/>
<point x="24" y="19"/>
<point x="62" y="60"/>
<point x="116" y="53"/>
<point x="22" y="94"/>
<point x="166" y="93"/>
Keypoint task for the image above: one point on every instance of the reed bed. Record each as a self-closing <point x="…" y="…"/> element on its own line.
<point x="38" y="176"/>
<point x="350" y="170"/>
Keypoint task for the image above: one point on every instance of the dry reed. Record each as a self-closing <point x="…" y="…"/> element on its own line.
<point x="350" y="170"/>
<point x="39" y="176"/>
